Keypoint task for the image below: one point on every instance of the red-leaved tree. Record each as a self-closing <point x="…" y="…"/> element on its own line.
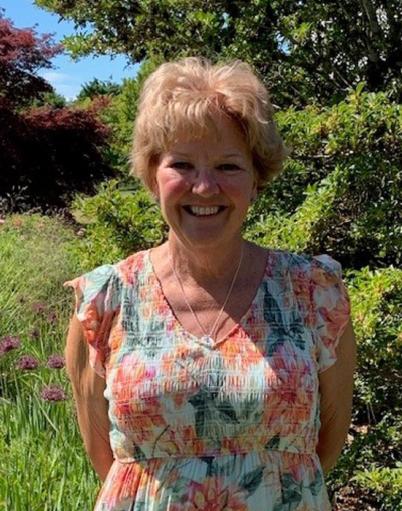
<point x="22" y="54"/>
<point x="47" y="153"/>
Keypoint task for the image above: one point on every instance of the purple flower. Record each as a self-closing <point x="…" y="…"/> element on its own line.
<point x="56" y="361"/>
<point x="27" y="362"/>
<point x="38" y="308"/>
<point x="9" y="343"/>
<point x="53" y="393"/>
<point x="34" y="334"/>
<point x="52" y="317"/>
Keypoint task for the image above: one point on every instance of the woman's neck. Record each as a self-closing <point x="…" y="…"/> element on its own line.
<point x="206" y="266"/>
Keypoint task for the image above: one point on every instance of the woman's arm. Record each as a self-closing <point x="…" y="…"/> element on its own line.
<point x="336" y="389"/>
<point x="91" y="405"/>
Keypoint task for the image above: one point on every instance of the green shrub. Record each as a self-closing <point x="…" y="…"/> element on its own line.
<point x="118" y="223"/>
<point x="385" y="483"/>
<point x="355" y="146"/>
<point x="377" y="311"/>
<point x="119" y="115"/>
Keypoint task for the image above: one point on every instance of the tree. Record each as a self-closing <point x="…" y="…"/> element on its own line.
<point x="51" y="153"/>
<point x="98" y="88"/>
<point x="22" y="54"/>
<point x="302" y="48"/>
<point x="48" y="151"/>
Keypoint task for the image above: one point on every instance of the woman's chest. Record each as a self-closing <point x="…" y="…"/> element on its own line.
<point x="268" y="363"/>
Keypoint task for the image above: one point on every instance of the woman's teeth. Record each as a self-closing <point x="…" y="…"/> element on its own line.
<point x="203" y="211"/>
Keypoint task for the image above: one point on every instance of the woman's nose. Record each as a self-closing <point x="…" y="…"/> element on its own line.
<point x="205" y="183"/>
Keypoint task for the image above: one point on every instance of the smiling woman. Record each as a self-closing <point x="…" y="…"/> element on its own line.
<point x="221" y="371"/>
<point x="205" y="195"/>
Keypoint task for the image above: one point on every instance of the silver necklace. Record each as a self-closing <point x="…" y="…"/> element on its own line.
<point x="208" y="337"/>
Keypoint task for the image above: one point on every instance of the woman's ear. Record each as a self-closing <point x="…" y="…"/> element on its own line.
<point x="154" y="188"/>
<point x="254" y="192"/>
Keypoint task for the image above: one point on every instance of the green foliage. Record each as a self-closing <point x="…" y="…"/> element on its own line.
<point x="302" y="50"/>
<point x="98" y="87"/>
<point x="298" y="232"/>
<point x="120" y="114"/>
<point x="377" y="306"/>
<point x="341" y="188"/>
<point x="51" y="98"/>
<point x="119" y="222"/>
<point x="28" y="274"/>
<point x="385" y="482"/>
<point x="376" y="446"/>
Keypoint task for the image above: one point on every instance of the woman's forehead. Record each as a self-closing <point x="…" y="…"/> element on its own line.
<point x="225" y="134"/>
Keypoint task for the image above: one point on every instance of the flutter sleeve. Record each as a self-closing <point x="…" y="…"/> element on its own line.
<point x="330" y="307"/>
<point x="96" y="303"/>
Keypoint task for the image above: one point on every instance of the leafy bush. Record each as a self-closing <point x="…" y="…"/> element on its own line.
<point x="118" y="223"/>
<point x="52" y="153"/>
<point x="375" y="437"/>
<point x="98" y="87"/>
<point x="355" y="145"/>
<point x="384" y="482"/>
<point x="22" y="54"/>
<point x="377" y="307"/>
<point x="119" y="116"/>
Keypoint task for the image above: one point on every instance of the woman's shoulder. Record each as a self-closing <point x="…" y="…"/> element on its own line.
<point x="121" y="273"/>
<point x="127" y="269"/>
<point x="306" y="262"/>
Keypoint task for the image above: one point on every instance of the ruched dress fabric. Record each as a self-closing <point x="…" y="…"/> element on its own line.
<point x="203" y="425"/>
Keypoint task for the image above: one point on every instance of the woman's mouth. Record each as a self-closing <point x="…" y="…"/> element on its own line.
<point x="204" y="211"/>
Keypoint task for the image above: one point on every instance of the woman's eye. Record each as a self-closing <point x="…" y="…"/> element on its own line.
<point x="181" y="165"/>
<point x="228" y="166"/>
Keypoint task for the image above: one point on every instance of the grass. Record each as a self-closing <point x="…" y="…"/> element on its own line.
<point x="43" y="464"/>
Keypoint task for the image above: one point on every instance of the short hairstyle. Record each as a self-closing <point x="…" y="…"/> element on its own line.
<point x="182" y="96"/>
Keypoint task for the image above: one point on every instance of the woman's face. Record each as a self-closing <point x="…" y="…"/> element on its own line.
<point x="205" y="186"/>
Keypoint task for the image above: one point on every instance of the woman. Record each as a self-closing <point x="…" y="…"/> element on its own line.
<point x="210" y="373"/>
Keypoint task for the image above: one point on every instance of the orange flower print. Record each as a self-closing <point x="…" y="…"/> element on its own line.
<point x="242" y="349"/>
<point x="212" y="495"/>
<point x="91" y="322"/>
<point x="129" y="267"/>
<point x="116" y="334"/>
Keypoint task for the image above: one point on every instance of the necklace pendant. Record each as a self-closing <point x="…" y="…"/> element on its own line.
<point x="207" y="339"/>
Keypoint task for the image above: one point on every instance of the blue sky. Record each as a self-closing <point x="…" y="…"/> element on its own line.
<point x="68" y="76"/>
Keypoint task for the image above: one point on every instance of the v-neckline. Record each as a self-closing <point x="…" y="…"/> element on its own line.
<point x="205" y="340"/>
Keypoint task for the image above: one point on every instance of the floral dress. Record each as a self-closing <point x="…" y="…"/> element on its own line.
<point x="228" y="425"/>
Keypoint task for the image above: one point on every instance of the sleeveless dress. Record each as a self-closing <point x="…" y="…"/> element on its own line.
<point x="203" y="425"/>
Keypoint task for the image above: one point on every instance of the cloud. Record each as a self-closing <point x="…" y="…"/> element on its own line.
<point x="54" y="77"/>
<point x="64" y="84"/>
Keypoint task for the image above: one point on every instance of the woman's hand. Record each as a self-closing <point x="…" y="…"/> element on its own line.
<point x="91" y="405"/>
<point x="336" y="390"/>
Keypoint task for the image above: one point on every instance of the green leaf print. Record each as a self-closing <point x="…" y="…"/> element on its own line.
<point x="138" y="455"/>
<point x="291" y="330"/>
<point x="199" y="402"/>
<point x="291" y="492"/>
<point x="226" y="409"/>
<point x="274" y="317"/>
<point x="209" y="460"/>
<point x="297" y="330"/>
<point x="273" y="443"/>
<point x="316" y="485"/>
<point x="252" y="480"/>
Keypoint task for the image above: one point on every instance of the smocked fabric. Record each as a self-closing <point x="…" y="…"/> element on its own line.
<point x="203" y="425"/>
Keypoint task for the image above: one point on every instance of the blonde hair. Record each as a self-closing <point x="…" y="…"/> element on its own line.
<point x="183" y="96"/>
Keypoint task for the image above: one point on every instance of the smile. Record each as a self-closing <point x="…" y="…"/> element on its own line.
<point x="203" y="211"/>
